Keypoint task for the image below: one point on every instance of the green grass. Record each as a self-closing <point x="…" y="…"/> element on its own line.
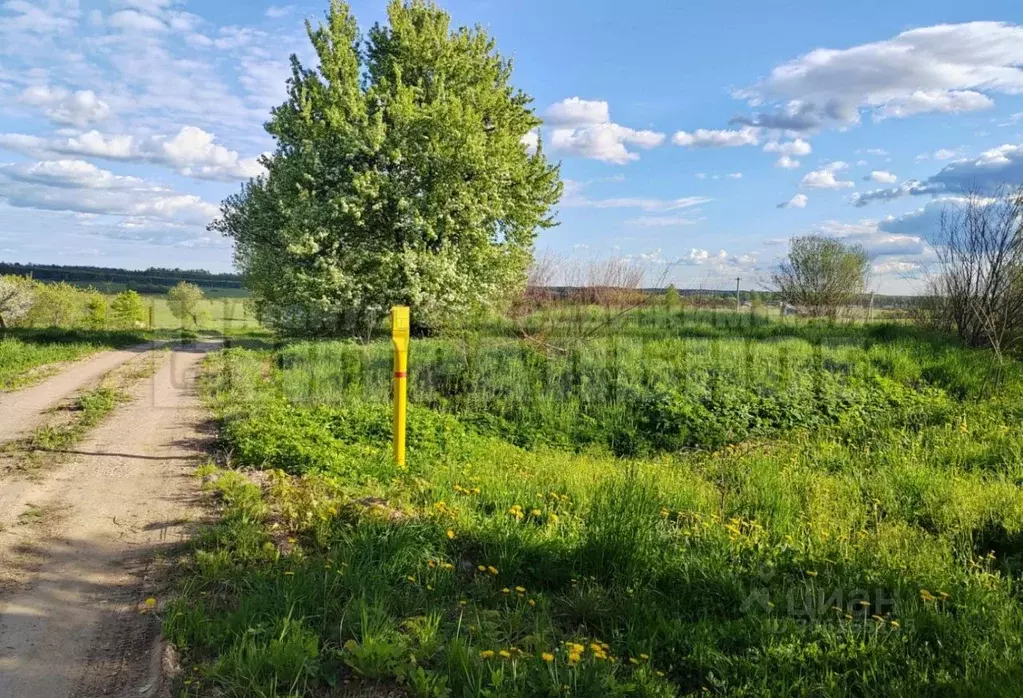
<point x="228" y="314"/>
<point x="689" y="505"/>
<point x="24" y="354"/>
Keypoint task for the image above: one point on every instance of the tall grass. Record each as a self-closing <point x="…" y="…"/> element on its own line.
<point x="706" y="509"/>
<point x="23" y="352"/>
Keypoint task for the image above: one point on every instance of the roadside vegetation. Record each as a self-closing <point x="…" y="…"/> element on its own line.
<point x="692" y="503"/>
<point x="45" y="324"/>
<point x="27" y="356"/>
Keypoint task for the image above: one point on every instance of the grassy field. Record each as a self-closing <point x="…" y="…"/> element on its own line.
<point x="693" y="504"/>
<point x="225" y="315"/>
<point x="25" y="354"/>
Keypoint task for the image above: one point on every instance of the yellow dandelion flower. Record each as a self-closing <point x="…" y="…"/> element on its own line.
<point x="505" y="654"/>
<point x="547" y="657"/>
<point x="811" y="573"/>
<point x="486" y="654"/>
<point x="451" y="534"/>
<point x="492" y="570"/>
<point x="150" y="602"/>
<point x="531" y="602"/>
<point x="481" y="568"/>
<point x="521" y="590"/>
<point x="644" y="657"/>
<point x="574" y="657"/>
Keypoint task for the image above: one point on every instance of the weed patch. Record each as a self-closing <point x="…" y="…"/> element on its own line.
<point x="682" y="509"/>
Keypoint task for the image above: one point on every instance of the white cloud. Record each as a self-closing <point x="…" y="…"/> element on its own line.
<point x="797" y="201"/>
<point x="797" y="148"/>
<point x="69" y="173"/>
<point x="149" y="6"/>
<point x="950" y="102"/>
<point x="788" y="152"/>
<point x="69" y="108"/>
<point x="45" y="18"/>
<point x="575" y="199"/>
<point x="720" y="261"/>
<point x="943" y="68"/>
<point x="709" y="138"/>
<point x="895" y="267"/>
<point x="574" y="112"/>
<point x="940" y="154"/>
<point x="880" y="152"/>
<point x="734" y="175"/>
<point x="78" y="186"/>
<point x="882" y="177"/>
<point x="278" y="11"/>
<point x="584" y="128"/>
<point x="135" y="22"/>
<point x="605" y="142"/>
<point x="824" y="177"/>
<point x="192" y="151"/>
<point x="661" y="221"/>
<point x="911" y="188"/>
<point x="531" y="141"/>
<point x="988" y="173"/>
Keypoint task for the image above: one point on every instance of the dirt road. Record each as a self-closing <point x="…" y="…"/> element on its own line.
<point x="23" y="410"/>
<point x="84" y="544"/>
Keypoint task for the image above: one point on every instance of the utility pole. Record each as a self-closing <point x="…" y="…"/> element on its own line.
<point x="737" y="279"/>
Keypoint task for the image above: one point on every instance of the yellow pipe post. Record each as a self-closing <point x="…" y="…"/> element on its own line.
<point x="400" y="338"/>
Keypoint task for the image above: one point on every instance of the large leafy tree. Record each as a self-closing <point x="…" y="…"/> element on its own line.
<point x="400" y="176"/>
<point x="822" y="274"/>
<point x="16" y="297"/>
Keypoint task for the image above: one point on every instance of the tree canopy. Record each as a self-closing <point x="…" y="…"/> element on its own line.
<point x="16" y="297"/>
<point x="399" y="177"/>
<point x="186" y="303"/>
<point x="821" y="274"/>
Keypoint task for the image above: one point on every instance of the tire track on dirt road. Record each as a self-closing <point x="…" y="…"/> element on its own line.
<point x="23" y="410"/>
<point x="73" y="627"/>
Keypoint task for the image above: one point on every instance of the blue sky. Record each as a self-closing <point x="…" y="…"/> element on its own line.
<point x="695" y="138"/>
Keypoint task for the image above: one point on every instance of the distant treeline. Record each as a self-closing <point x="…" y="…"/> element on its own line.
<point x="149" y="281"/>
<point x="726" y="297"/>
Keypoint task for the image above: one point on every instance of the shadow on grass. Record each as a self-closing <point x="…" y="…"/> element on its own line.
<point x="59" y="335"/>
